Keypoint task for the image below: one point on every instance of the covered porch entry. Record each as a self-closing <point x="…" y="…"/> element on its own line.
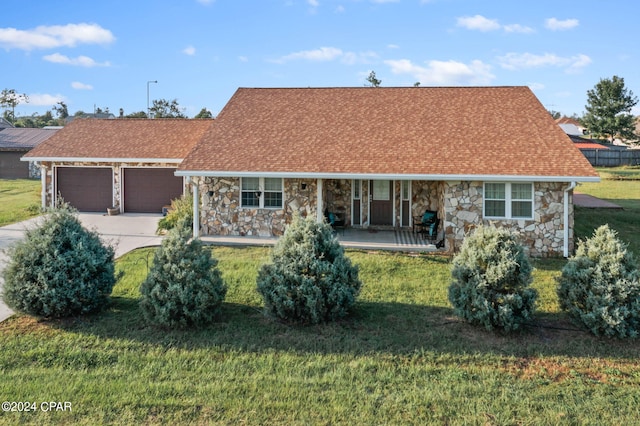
<point x="379" y="203"/>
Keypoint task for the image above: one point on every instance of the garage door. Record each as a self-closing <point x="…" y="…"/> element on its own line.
<point x="148" y="190"/>
<point x="11" y="167"/>
<point x="88" y="189"/>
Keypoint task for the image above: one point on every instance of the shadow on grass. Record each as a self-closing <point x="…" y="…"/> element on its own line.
<point x="380" y="328"/>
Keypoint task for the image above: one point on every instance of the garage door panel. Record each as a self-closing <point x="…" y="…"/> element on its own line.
<point x="148" y="190"/>
<point x="88" y="189"/>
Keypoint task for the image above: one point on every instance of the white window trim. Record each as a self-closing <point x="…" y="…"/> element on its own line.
<point x="261" y="187"/>
<point x="508" y="201"/>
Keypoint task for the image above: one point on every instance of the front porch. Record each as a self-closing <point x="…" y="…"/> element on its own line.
<point x="403" y="240"/>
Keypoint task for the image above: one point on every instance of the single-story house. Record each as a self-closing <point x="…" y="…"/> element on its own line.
<point x="130" y="164"/>
<point x="382" y="156"/>
<point x="15" y="143"/>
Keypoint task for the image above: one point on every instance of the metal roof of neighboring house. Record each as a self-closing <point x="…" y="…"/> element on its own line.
<point x="23" y="139"/>
<point x="404" y="132"/>
<point x="568" y="120"/>
<point x="122" y="139"/>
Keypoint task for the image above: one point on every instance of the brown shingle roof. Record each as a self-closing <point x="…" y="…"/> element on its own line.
<point x="123" y="139"/>
<point x="416" y="131"/>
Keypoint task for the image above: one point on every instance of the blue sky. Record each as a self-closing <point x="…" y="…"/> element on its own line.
<point x="103" y="53"/>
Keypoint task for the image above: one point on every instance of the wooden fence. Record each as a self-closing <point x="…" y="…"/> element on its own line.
<point x="612" y="157"/>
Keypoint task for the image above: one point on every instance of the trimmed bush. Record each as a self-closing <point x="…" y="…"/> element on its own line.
<point x="181" y="209"/>
<point x="491" y="278"/>
<point x="600" y="286"/>
<point x="60" y="269"/>
<point x="184" y="287"/>
<point x="309" y="279"/>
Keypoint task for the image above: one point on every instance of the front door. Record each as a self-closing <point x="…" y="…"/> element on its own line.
<point x="381" y="202"/>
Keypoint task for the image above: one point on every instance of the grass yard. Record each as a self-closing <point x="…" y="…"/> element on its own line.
<point x="20" y="200"/>
<point x="620" y="185"/>
<point x="402" y="358"/>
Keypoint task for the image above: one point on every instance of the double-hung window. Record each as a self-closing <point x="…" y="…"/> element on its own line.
<point x="508" y="200"/>
<point x="261" y="192"/>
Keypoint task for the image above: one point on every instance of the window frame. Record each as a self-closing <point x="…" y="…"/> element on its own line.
<point x="260" y="193"/>
<point x="508" y="201"/>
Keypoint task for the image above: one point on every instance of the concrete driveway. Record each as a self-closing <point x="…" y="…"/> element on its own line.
<point x="124" y="232"/>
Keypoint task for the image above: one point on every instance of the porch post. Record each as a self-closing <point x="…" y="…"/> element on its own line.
<point x="319" y="213"/>
<point x="43" y="185"/>
<point x="196" y="205"/>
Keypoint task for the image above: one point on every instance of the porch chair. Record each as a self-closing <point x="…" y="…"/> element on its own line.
<point x="431" y="233"/>
<point x="424" y="222"/>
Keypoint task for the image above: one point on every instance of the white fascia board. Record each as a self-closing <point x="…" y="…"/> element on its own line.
<point x="373" y="176"/>
<point x="103" y="160"/>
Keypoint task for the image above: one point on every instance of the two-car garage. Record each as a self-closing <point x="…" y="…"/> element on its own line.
<point x="143" y="190"/>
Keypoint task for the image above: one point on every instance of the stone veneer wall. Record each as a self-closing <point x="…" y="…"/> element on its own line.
<point x="34" y="169"/>
<point x="221" y="214"/>
<point x="543" y="236"/>
<point x="337" y="196"/>
<point x="115" y="167"/>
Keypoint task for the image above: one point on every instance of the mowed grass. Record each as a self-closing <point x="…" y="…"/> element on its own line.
<point x="402" y="358"/>
<point x="620" y="185"/>
<point x="20" y="200"/>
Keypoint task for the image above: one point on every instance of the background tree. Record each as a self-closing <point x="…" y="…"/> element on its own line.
<point x="204" y="113"/>
<point x="554" y="114"/>
<point x="10" y="99"/>
<point x="608" y="107"/>
<point x="61" y="110"/>
<point x="163" y="108"/>
<point x="373" y="81"/>
<point x="139" y="114"/>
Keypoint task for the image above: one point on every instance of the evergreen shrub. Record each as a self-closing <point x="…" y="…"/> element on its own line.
<point x="600" y="286"/>
<point x="309" y="279"/>
<point x="184" y="287"/>
<point x="491" y="279"/>
<point x="181" y="209"/>
<point x="59" y="269"/>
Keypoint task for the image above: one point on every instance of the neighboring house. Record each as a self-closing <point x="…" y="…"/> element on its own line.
<point x="571" y="126"/>
<point x="381" y="156"/>
<point x="16" y="142"/>
<point x="95" y="164"/>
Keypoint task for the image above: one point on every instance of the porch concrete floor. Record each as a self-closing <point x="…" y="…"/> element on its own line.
<point x="363" y="239"/>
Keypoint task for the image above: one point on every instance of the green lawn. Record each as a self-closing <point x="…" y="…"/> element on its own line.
<point x="402" y="358"/>
<point x="20" y="200"/>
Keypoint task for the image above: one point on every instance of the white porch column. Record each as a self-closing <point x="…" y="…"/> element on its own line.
<point x="320" y="207"/>
<point x="196" y="205"/>
<point x="43" y="183"/>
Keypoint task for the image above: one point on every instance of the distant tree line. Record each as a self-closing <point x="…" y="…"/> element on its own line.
<point x="58" y="115"/>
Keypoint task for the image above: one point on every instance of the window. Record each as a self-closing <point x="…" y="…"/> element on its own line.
<point x="356" y="189"/>
<point x="261" y="192"/>
<point x="508" y="200"/>
<point x="405" y="190"/>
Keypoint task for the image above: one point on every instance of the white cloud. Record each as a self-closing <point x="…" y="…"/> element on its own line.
<point x="393" y="46"/>
<point x="326" y="54"/>
<point x="49" y="37"/>
<point x="517" y="28"/>
<point x="384" y="1"/>
<point x="313" y="3"/>
<point x="441" y="73"/>
<point x="316" y="55"/>
<point x="340" y="9"/>
<point x="189" y="50"/>
<point x="535" y="86"/>
<point x="81" y="86"/>
<point x="43" y="99"/>
<point x="519" y="61"/>
<point x="206" y="2"/>
<point x="556" y="25"/>
<point x="80" y="61"/>
<point x="243" y="59"/>
<point x="478" y="22"/>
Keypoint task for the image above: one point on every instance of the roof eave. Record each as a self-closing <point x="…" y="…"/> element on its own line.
<point x="455" y="177"/>
<point x="103" y="160"/>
